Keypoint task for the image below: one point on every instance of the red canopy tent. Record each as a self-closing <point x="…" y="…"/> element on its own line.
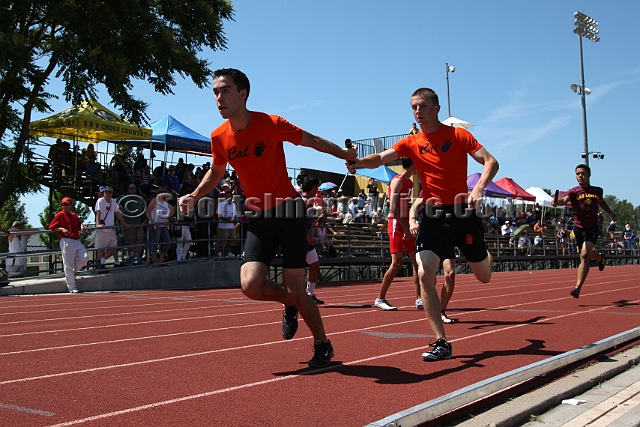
<point x="518" y="192"/>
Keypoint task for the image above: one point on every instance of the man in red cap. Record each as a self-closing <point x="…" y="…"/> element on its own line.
<point x="74" y="254"/>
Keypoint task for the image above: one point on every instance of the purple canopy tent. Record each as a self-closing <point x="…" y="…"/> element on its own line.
<point x="491" y="190"/>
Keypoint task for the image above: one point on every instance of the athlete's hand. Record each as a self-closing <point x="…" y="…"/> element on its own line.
<point x="407" y="235"/>
<point x="351" y="165"/>
<point x="414" y="227"/>
<point x="475" y="197"/>
<point x="186" y="203"/>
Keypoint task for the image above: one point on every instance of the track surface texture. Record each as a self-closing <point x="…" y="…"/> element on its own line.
<point x="214" y="357"/>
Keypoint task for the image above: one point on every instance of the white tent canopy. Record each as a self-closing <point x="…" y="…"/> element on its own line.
<point x="542" y="198"/>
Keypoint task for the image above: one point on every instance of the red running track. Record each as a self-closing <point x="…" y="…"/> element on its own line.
<point x="213" y="357"/>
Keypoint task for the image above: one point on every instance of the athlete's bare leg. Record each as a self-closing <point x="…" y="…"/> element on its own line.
<point x="428" y="263"/>
<point x="416" y="277"/>
<point x="587" y="252"/>
<point x="449" y="266"/>
<point x="293" y="291"/>
<point x="396" y="265"/>
<point x="482" y="269"/>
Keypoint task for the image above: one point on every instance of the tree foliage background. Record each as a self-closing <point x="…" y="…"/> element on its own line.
<point x="88" y="43"/>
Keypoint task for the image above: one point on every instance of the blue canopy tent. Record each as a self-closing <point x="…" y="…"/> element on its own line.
<point x="170" y="134"/>
<point x="381" y="173"/>
<point x="176" y="136"/>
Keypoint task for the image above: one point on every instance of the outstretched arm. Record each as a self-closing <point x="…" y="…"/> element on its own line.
<point x="326" y="146"/>
<point x="372" y="161"/>
<point x="208" y="183"/>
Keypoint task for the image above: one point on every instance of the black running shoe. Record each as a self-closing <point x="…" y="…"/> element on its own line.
<point x="289" y="322"/>
<point x="601" y="263"/>
<point x="322" y="354"/>
<point x="316" y="300"/>
<point x="441" y="350"/>
<point x="575" y="293"/>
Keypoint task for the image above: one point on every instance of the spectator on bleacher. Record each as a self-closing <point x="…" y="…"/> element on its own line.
<point x="361" y="199"/>
<point x="133" y="209"/>
<point x="611" y="229"/>
<point x="160" y="214"/>
<point x="563" y="238"/>
<point x="538" y="241"/>
<point x="171" y="181"/>
<point x="493" y="225"/>
<point x="368" y="211"/>
<point x="187" y="176"/>
<point x="139" y="164"/>
<point x="505" y="230"/>
<point x="227" y="216"/>
<point x="385" y="209"/>
<point x="120" y="169"/>
<point x="629" y="238"/>
<point x="539" y="228"/>
<point x="301" y="177"/>
<point x="107" y="209"/>
<point x="530" y="218"/>
<point x="377" y="218"/>
<point x="355" y="212"/>
<point x="17" y="266"/>
<point x="372" y="189"/>
<point x="180" y="168"/>
<point x="159" y="172"/>
<point x="64" y="158"/>
<point x="323" y="233"/>
<point x="93" y="169"/>
<point x="537" y="213"/>
<point x="524" y="243"/>
<point x="144" y="182"/>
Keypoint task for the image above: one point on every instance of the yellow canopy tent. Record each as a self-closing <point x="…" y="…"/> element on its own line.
<point x="88" y="122"/>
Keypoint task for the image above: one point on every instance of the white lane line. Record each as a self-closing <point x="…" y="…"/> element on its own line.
<point x="183" y="356"/>
<point x="288" y="377"/>
<point x="27" y="410"/>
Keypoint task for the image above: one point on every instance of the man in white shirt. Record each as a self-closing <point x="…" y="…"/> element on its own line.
<point x="106" y="210"/>
<point x="505" y="230"/>
<point x="226" y="234"/>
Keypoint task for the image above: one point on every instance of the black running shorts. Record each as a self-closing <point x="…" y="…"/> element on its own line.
<point x="586" y="235"/>
<point x="444" y="227"/>
<point x="270" y="231"/>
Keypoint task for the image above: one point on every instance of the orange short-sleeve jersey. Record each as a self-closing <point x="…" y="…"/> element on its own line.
<point x="257" y="155"/>
<point x="441" y="160"/>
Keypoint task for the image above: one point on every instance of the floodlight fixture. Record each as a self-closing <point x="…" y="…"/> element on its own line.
<point x="585" y="26"/>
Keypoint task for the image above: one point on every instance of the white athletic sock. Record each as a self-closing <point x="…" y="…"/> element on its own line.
<point x="311" y="288"/>
<point x="102" y="261"/>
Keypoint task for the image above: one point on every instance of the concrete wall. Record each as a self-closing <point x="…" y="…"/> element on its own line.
<point x="190" y="275"/>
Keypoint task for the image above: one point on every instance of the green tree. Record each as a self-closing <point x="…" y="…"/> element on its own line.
<point x="88" y="43"/>
<point x="624" y="210"/>
<point x="83" y="211"/>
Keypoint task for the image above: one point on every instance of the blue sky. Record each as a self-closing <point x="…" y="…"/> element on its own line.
<point x="346" y="69"/>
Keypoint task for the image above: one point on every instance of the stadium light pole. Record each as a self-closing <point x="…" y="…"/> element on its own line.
<point x="585" y="27"/>
<point x="452" y="69"/>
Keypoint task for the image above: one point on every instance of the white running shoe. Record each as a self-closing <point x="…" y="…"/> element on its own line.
<point x="384" y="305"/>
<point x="447" y="319"/>
<point x="419" y="305"/>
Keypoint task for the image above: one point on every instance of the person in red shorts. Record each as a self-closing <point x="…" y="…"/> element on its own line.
<point x="450" y="220"/>
<point x="400" y="240"/>
<point x="586" y="201"/>
<point x="252" y="142"/>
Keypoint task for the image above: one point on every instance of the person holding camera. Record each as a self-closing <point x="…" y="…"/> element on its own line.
<point x="106" y="239"/>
